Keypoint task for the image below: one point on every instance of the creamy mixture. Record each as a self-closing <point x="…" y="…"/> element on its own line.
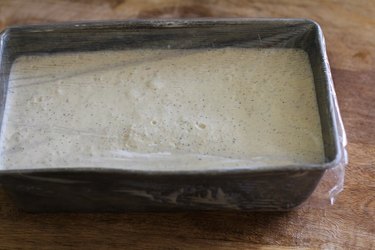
<point x="162" y="110"/>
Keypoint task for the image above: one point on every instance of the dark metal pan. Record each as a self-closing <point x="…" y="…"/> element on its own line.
<point x="77" y="189"/>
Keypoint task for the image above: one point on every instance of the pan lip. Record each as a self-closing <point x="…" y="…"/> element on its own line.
<point x="156" y="23"/>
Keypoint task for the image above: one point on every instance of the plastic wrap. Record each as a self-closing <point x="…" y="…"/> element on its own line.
<point x="332" y="182"/>
<point x="195" y="168"/>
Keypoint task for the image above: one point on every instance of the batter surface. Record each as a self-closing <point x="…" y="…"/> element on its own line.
<point x="162" y="110"/>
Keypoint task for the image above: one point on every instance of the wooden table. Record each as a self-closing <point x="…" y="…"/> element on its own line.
<point x="349" y="28"/>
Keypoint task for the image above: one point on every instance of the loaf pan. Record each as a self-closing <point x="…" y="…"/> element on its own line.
<point x="88" y="189"/>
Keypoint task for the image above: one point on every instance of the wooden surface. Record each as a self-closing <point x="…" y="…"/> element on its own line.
<point x="349" y="27"/>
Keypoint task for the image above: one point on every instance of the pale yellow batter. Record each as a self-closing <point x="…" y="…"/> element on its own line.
<point x="162" y="110"/>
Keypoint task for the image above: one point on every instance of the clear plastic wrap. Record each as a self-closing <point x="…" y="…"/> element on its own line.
<point x="93" y="158"/>
<point x="332" y="182"/>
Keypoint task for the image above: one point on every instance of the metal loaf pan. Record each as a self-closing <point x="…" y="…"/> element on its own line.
<point x="74" y="189"/>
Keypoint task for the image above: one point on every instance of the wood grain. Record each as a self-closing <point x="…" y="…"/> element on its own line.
<point x="350" y="224"/>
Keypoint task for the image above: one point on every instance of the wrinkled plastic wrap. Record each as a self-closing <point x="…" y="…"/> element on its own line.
<point x="332" y="182"/>
<point x="122" y="180"/>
